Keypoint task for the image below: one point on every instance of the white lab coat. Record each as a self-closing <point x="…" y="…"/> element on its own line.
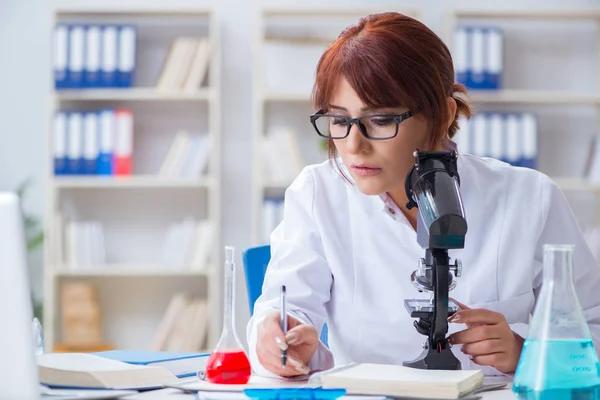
<point x="346" y="259"/>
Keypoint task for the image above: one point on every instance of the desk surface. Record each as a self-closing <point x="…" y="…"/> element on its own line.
<point x="174" y="394"/>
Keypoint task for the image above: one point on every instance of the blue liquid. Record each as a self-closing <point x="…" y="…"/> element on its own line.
<point x="558" y="370"/>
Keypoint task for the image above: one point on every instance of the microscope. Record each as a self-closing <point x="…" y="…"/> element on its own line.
<point x="432" y="185"/>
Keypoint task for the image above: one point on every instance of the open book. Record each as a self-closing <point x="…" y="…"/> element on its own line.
<point x="400" y="381"/>
<point x="79" y="370"/>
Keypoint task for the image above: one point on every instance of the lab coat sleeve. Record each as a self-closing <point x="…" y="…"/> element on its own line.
<point x="297" y="261"/>
<point x="560" y="227"/>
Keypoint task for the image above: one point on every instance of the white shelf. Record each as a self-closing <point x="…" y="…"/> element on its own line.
<point x="130" y="182"/>
<point x="125" y="11"/>
<point x="275" y="186"/>
<point x="518" y="96"/>
<point x="507" y="96"/>
<point x="529" y="14"/>
<point x="270" y="95"/>
<point x="274" y="190"/>
<point x="131" y="94"/>
<point x="316" y="12"/>
<point x="576" y="184"/>
<point x="114" y="270"/>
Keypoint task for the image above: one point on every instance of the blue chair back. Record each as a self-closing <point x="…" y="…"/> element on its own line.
<point x="256" y="260"/>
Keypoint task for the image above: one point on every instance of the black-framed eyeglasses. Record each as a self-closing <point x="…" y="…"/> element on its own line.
<point x="374" y="126"/>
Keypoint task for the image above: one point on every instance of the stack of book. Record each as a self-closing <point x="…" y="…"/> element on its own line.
<point x="187" y="244"/>
<point x="93" y="142"/>
<point x="272" y="215"/>
<point x="282" y="161"/>
<point x="94" y="56"/>
<point x="81" y="319"/>
<point x="188" y="156"/>
<point x="186" y="65"/>
<point x="184" y="326"/>
<point x="85" y="244"/>
<point x="509" y="137"/>
<point x="478" y="56"/>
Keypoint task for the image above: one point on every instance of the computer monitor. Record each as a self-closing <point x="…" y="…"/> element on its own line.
<point x="18" y="369"/>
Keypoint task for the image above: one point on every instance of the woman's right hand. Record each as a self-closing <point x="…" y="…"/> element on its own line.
<point x="301" y="343"/>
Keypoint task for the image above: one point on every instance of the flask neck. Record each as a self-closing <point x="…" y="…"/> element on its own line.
<point x="558" y="276"/>
<point x="229" y="298"/>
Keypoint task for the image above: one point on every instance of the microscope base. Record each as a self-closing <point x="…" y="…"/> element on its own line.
<point x="432" y="359"/>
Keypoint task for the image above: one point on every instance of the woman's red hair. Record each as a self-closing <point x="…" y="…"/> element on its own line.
<point x="392" y="60"/>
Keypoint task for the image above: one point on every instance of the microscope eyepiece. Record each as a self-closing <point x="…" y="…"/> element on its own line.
<point x="432" y="185"/>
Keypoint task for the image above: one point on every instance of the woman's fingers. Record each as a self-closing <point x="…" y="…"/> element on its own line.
<point x="272" y="351"/>
<point x="271" y="341"/>
<point x="483" y="347"/>
<point x="271" y="359"/>
<point x="461" y="305"/>
<point x="301" y="334"/>
<point x="292" y="368"/>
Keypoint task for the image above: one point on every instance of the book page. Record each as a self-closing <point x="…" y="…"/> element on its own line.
<point x="82" y="362"/>
<point x="380" y="372"/>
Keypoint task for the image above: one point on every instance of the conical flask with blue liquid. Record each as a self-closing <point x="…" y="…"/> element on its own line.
<point x="558" y="360"/>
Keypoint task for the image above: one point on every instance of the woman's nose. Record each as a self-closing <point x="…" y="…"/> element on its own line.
<point x="355" y="142"/>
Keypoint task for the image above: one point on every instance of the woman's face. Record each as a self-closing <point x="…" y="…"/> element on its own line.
<point x="377" y="166"/>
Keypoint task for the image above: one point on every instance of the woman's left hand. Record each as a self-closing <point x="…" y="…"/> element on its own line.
<point x="488" y="339"/>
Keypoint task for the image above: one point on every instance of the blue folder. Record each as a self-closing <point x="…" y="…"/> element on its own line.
<point x="181" y="364"/>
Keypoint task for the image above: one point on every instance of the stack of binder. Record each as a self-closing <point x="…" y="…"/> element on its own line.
<point x="186" y="65"/>
<point x="478" y="57"/>
<point x="509" y="137"/>
<point x="93" y="142"/>
<point x="94" y="56"/>
<point x="272" y="216"/>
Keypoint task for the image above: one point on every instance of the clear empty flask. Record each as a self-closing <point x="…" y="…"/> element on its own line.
<point x="38" y="336"/>
<point x="558" y="361"/>
<point x="228" y="363"/>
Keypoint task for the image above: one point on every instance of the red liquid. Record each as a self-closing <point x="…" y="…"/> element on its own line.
<point x="231" y="367"/>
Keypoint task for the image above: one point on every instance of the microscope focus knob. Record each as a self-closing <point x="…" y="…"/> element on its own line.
<point x="422" y="268"/>
<point x="458" y="268"/>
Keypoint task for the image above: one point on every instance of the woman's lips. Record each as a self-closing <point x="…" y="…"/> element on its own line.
<point x="362" y="170"/>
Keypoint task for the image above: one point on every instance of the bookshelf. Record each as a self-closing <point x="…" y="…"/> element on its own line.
<point x="134" y="285"/>
<point x="567" y="106"/>
<point x="147" y="181"/>
<point x="281" y="97"/>
<point x="535" y="97"/>
<point x="133" y="94"/>
<point x="124" y="270"/>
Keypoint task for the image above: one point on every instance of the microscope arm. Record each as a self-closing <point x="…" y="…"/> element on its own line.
<point x="440" y="312"/>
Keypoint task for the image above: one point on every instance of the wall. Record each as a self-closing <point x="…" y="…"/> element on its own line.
<point x="25" y="78"/>
<point x="24" y="101"/>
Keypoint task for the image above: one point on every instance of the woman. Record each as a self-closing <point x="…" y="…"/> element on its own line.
<point x="347" y="245"/>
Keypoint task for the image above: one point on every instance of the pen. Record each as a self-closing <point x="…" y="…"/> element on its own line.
<point x="283" y="322"/>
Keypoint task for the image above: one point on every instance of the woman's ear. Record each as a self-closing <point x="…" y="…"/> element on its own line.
<point x="451" y="111"/>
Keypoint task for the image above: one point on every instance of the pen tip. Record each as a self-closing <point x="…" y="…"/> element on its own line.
<point x="283" y="288"/>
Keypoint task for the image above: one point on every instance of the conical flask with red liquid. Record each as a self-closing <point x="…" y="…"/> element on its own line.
<point x="228" y="363"/>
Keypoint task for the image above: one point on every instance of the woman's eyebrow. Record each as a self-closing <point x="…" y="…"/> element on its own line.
<point x="364" y="109"/>
<point x="367" y="108"/>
